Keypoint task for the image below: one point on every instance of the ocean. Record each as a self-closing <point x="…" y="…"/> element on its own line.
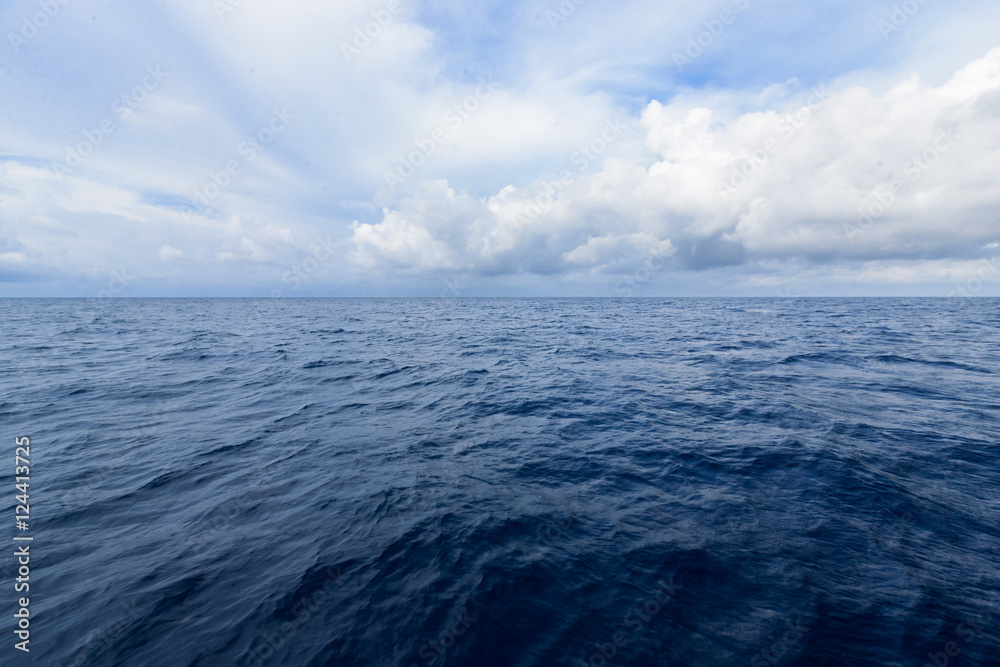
<point x="506" y="482"/>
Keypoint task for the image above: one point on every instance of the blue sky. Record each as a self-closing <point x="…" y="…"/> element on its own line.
<point x="637" y="148"/>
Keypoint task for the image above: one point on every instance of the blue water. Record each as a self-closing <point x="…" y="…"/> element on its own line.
<point x="506" y="482"/>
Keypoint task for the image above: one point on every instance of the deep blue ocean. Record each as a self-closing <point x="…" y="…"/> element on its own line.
<point x="506" y="482"/>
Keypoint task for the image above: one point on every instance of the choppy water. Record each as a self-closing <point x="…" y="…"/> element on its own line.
<point x="507" y="482"/>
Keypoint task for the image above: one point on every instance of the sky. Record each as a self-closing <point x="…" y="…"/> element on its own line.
<point x="519" y="148"/>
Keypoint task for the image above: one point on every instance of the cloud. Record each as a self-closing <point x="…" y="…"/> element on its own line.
<point x="827" y="176"/>
<point x="167" y="253"/>
<point x="721" y="174"/>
